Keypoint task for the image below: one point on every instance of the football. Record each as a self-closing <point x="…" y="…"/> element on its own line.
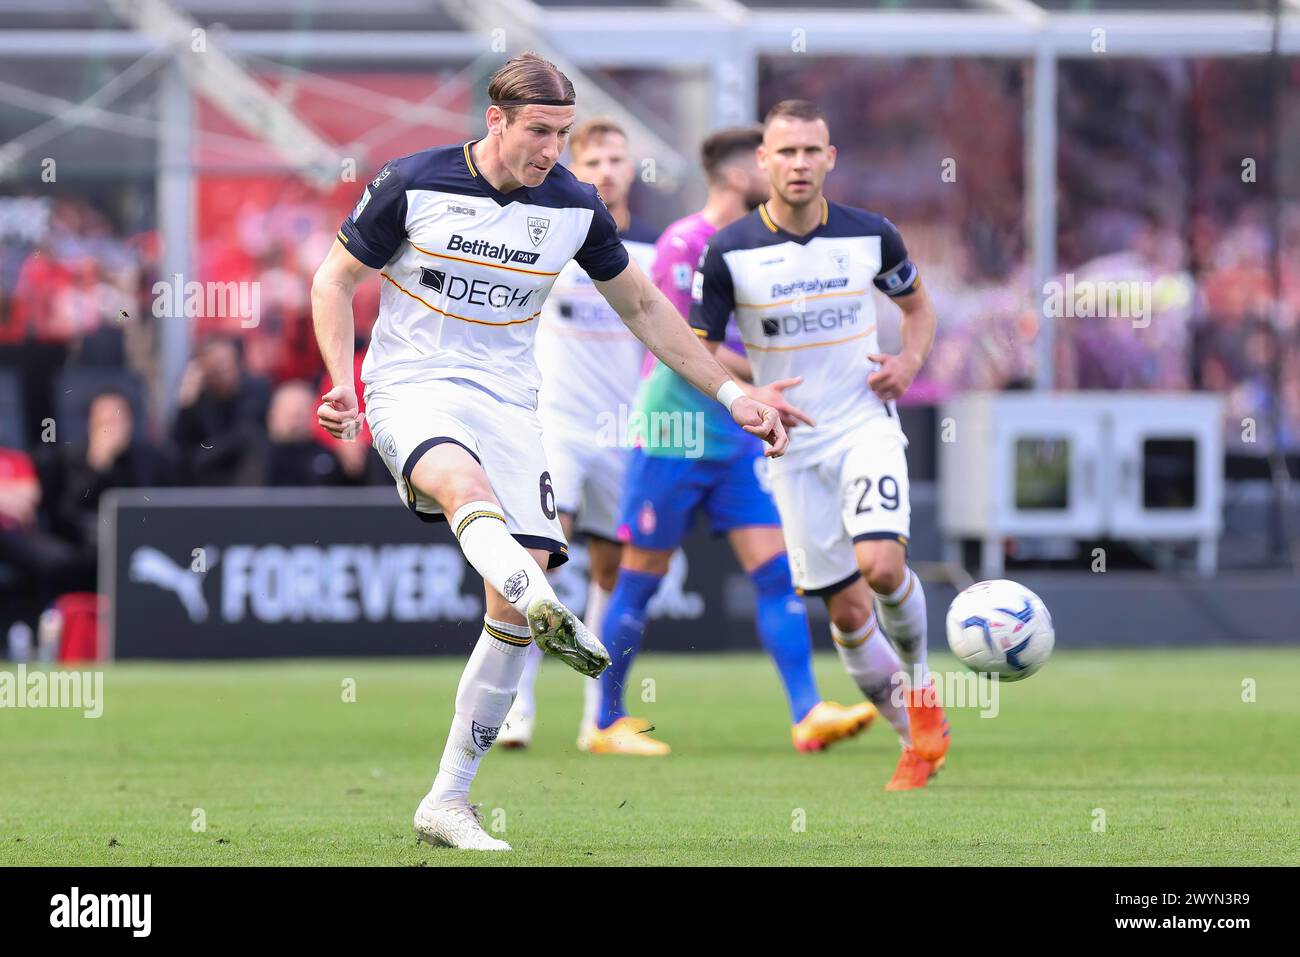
<point x="1000" y="627"/>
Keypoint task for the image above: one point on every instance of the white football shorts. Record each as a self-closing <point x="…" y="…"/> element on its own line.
<point x="589" y="479"/>
<point x="406" y="420"/>
<point x="858" y="493"/>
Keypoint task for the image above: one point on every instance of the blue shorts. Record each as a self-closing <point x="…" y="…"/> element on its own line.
<point x="662" y="496"/>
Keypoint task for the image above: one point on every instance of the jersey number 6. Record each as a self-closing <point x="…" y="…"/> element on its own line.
<point x="548" y="495"/>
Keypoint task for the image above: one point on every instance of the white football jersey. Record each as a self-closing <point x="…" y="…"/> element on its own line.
<point x="590" y="362"/>
<point x="803" y="306"/>
<point x="465" y="269"/>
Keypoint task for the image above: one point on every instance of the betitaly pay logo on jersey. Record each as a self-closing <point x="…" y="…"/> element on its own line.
<point x="489" y="250"/>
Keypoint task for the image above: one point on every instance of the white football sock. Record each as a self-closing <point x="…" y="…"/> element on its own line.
<point x="483" y="699"/>
<point x="525" y="699"/>
<point x="597" y="602"/>
<point x="504" y="563"/>
<point x="873" y="664"/>
<point x="902" y="615"/>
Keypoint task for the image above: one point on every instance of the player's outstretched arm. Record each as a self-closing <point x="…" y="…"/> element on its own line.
<point x="651" y="318"/>
<point x="917" y="332"/>
<point x="733" y="362"/>
<point x="772" y="394"/>
<point x="332" y="289"/>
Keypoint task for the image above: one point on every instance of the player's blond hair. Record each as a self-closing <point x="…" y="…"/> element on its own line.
<point x="589" y="131"/>
<point x="528" y="77"/>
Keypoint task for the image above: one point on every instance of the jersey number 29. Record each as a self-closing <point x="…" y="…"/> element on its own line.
<point x="886" y="488"/>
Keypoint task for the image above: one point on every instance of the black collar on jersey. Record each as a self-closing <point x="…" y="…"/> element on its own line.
<point x="770" y="223"/>
<point x="535" y="101"/>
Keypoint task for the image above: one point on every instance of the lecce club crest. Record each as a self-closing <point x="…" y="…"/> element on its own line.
<point x="538" y="227"/>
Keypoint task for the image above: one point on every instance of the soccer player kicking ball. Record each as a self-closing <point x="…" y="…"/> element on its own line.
<point x="797" y="273"/>
<point x="581" y="339"/>
<point x="719" y="474"/>
<point x="468" y="241"/>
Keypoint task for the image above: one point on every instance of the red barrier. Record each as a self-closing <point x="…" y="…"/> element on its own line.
<point x="80" y="612"/>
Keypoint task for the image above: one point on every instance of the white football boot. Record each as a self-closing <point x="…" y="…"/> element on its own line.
<point x="517" y="729"/>
<point x="454" y="824"/>
<point x="558" y="632"/>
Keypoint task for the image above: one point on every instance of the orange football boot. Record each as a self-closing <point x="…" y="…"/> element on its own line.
<point x="930" y="732"/>
<point x="830" y="721"/>
<point x="913" y="771"/>
<point x="626" y="736"/>
<point x="587" y="728"/>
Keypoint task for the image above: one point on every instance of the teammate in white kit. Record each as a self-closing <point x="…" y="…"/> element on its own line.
<point x="469" y="240"/>
<point x="798" y="273"/>
<point x="581" y="339"/>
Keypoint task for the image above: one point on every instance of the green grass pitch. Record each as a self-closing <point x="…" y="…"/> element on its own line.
<point x="286" y="772"/>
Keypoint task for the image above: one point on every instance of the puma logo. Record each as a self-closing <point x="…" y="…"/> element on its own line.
<point x="152" y="567"/>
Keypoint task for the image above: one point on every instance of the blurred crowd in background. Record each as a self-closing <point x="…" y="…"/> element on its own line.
<point x="1154" y="186"/>
<point x="1165" y="176"/>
